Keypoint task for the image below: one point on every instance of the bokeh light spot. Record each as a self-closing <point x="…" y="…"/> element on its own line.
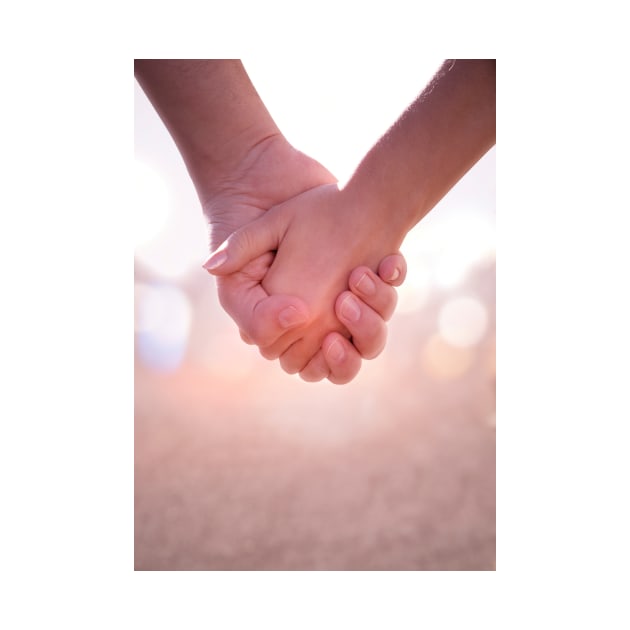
<point x="462" y="321"/>
<point x="162" y="325"/>
<point x="466" y="240"/>
<point x="444" y="361"/>
<point x="171" y="232"/>
<point x="415" y="291"/>
<point x="151" y="207"/>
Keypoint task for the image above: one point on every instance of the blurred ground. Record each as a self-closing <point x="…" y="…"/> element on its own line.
<point x="239" y="466"/>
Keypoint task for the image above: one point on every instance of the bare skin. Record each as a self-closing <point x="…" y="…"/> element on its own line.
<point x="241" y="166"/>
<point x="320" y="235"/>
<point x="247" y="196"/>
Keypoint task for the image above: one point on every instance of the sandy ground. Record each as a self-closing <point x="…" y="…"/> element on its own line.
<point x="255" y="470"/>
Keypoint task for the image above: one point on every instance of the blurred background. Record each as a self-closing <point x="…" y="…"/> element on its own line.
<point x="239" y="466"/>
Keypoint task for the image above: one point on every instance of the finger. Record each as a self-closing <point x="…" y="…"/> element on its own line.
<point x="370" y="289"/>
<point x="262" y="319"/>
<point x="367" y="327"/>
<point x="308" y="342"/>
<point x="246" y="338"/>
<point x="316" y="370"/>
<point x="295" y="358"/>
<point x="280" y="346"/>
<point x="393" y="269"/>
<point x="342" y="358"/>
<point x="340" y="363"/>
<point x="273" y="316"/>
<point x="248" y="242"/>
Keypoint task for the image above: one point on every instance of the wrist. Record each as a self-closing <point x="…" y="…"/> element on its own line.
<point x="223" y="170"/>
<point x="379" y="217"/>
<point x="212" y="111"/>
<point x="269" y="173"/>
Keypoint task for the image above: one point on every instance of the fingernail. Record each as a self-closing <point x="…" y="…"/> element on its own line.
<point x="290" y="317"/>
<point x="394" y="276"/>
<point x="215" y="261"/>
<point x="366" y="286"/>
<point x="350" y="309"/>
<point x="335" y="352"/>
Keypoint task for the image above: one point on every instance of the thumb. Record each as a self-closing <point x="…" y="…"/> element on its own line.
<point x="246" y="244"/>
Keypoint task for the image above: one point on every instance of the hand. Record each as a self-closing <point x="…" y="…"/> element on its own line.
<point x="338" y="360"/>
<point x="272" y="173"/>
<point x="375" y="301"/>
<point x="320" y="236"/>
<point x="240" y="165"/>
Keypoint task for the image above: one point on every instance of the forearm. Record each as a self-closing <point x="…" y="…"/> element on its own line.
<point x="211" y="110"/>
<point x="434" y="143"/>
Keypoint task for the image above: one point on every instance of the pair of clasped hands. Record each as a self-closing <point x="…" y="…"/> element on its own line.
<point x="306" y="268"/>
<point x="289" y="271"/>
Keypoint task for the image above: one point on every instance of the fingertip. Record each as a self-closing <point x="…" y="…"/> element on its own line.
<point x="342" y="379"/>
<point x="307" y="377"/>
<point x="215" y="262"/>
<point x="246" y="338"/>
<point x="271" y="353"/>
<point x="368" y="329"/>
<point x="316" y="370"/>
<point x="335" y="352"/>
<point x="344" y="362"/>
<point x="393" y="269"/>
<point x="274" y="316"/>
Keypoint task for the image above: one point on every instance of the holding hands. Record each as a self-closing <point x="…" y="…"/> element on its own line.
<point x="319" y="239"/>
<point x="307" y="269"/>
<point x="276" y="314"/>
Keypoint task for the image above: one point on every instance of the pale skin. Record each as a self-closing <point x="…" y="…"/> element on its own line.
<point x="326" y="231"/>
<point x="241" y="165"/>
